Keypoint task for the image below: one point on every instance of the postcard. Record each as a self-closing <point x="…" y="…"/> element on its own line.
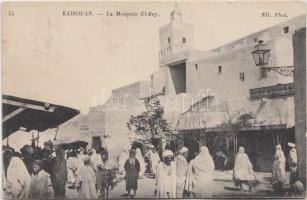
<point x="153" y="99"/>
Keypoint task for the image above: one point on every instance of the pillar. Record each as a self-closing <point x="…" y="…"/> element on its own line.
<point x="299" y="48"/>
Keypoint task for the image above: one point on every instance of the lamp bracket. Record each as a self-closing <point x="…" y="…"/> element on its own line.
<point x="282" y="70"/>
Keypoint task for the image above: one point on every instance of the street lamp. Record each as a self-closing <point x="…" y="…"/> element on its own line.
<point x="261" y="55"/>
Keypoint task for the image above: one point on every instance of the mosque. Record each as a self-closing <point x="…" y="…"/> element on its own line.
<point x="224" y="91"/>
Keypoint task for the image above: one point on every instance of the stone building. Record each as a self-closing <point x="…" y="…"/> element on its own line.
<point x="202" y="90"/>
<point x="231" y="85"/>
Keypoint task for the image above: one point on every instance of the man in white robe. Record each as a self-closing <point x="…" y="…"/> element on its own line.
<point x="86" y="180"/>
<point x="293" y="164"/>
<point x="281" y="154"/>
<point x="18" y="176"/>
<point x="166" y="176"/>
<point x="72" y="166"/>
<point x="278" y="172"/>
<point x="243" y="172"/>
<point x="95" y="159"/>
<point x="149" y="152"/>
<point x="122" y="160"/>
<point x="141" y="160"/>
<point x="182" y="167"/>
<point x="80" y="157"/>
<point x="154" y="160"/>
<point x="199" y="181"/>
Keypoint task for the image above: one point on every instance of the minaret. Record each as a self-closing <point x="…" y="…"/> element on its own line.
<point x="176" y="36"/>
<point x="176" y="16"/>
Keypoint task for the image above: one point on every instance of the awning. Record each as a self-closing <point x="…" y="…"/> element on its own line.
<point x="27" y="115"/>
<point x="72" y="142"/>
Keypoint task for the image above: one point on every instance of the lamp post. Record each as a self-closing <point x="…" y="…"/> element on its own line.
<point x="261" y="55"/>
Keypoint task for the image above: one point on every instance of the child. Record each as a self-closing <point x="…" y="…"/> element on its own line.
<point x="40" y="187"/>
<point x="132" y="168"/>
<point x="86" y="180"/>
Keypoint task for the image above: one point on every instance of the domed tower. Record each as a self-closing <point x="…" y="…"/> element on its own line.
<point x="176" y="36"/>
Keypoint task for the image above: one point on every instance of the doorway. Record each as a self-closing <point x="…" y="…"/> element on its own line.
<point x="96" y="144"/>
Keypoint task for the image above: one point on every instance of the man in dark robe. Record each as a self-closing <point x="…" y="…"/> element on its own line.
<point x="132" y="168"/>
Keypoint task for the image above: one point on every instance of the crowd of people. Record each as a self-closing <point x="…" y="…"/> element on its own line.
<point x="178" y="178"/>
<point x="175" y="177"/>
<point x="243" y="173"/>
<point x="279" y="172"/>
<point x="46" y="173"/>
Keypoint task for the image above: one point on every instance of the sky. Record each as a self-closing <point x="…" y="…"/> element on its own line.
<point x="70" y="60"/>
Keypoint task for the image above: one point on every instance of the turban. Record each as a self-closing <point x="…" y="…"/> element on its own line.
<point x="241" y="149"/>
<point x="167" y="153"/>
<point x="204" y="148"/>
<point x="87" y="159"/>
<point x="39" y="163"/>
<point x="8" y="152"/>
<point x="278" y="147"/>
<point x="298" y="187"/>
<point x="183" y="150"/>
<point x="290" y="144"/>
<point x="132" y="152"/>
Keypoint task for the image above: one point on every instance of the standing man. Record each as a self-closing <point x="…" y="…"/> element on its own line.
<point x="86" y="180"/>
<point x="148" y="158"/>
<point x="132" y="168"/>
<point x="243" y="172"/>
<point x="154" y="160"/>
<point x="166" y="176"/>
<point x="17" y="175"/>
<point x="182" y="167"/>
<point x="293" y="164"/>
<point x="59" y="173"/>
<point x="199" y="181"/>
<point x="122" y="160"/>
<point x="278" y="173"/>
<point x="141" y="160"/>
<point x="296" y="186"/>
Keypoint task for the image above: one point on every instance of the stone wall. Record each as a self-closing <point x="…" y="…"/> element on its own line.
<point x="227" y="84"/>
<point x="138" y="89"/>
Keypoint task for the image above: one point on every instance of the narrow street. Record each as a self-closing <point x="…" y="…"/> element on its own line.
<point x="224" y="187"/>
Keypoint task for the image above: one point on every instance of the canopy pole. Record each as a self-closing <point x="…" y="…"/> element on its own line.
<point x="37" y="138"/>
<point x="56" y="133"/>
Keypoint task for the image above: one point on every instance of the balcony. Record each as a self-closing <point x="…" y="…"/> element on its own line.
<point x="279" y="90"/>
<point x="173" y="58"/>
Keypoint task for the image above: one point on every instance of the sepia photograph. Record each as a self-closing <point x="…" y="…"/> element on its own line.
<point x="153" y="99"/>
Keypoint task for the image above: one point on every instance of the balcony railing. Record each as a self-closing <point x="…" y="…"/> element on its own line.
<point x="272" y="91"/>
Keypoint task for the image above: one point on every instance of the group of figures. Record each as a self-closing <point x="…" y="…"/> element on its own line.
<point x="178" y="178"/>
<point x="175" y="177"/>
<point x="243" y="173"/>
<point x="45" y="173"/>
<point x="279" y="173"/>
<point x="89" y="173"/>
